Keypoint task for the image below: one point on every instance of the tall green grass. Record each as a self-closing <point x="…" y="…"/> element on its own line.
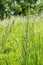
<point x="21" y="41"/>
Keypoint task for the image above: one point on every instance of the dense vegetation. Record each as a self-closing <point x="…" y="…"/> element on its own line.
<point x="17" y="7"/>
<point x="21" y="32"/>
<point x="21" y="41"/>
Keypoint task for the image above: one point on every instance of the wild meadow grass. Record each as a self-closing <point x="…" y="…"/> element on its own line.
<point x="21" y="41"/>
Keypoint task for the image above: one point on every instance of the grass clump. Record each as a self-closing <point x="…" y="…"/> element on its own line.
<point x="22" y="42"/>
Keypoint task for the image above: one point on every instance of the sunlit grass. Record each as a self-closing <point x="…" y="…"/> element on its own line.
<point x="21" y="41"/>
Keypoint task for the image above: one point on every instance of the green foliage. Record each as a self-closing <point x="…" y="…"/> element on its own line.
<point x="12" y="7"/>
<point x="1" y="9"/>
<point x="39" y="7"/>
<point x="23" y="42"/>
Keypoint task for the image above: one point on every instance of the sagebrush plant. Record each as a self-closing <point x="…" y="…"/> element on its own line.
<point x="22" y="41"/>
